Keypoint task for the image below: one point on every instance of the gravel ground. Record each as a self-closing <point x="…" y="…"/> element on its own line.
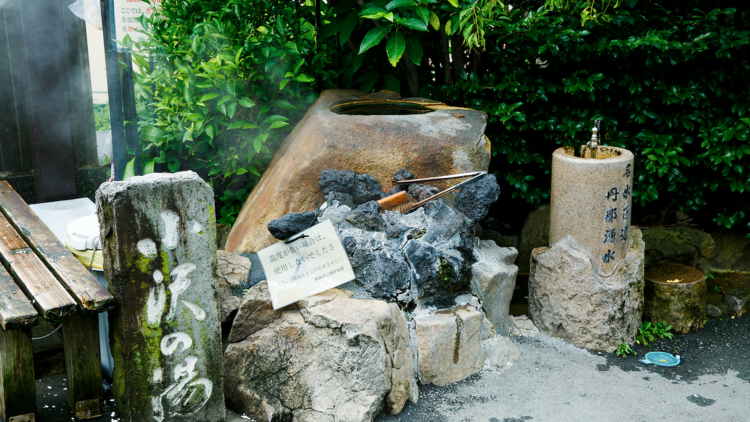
<point x="554" y="381"/>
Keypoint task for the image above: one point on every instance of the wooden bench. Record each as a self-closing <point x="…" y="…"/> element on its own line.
<point x="39" y="276"/>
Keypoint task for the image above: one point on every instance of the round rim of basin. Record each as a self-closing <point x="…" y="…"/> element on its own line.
<point x="664" y="271"/>
<point x="568" y="154"/>
<point x="381" y="108"/>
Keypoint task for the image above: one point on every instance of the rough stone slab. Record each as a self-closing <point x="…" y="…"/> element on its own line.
<point x="449" y="345"/>
<point x="159" y="241"/>
<point x="333" y="358"/>
<point x="493" y="280"/>
<point x="683" y="245"/>
<point x="738" y="301"/>
<point x="731" y="253"/>
<point x="233" y="271"/>
<point x="567" y="299"/>
<point x="534" y="234"/>
<point x="680" y="304"/>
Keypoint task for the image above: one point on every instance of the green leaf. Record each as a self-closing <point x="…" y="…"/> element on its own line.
<point x="210" y="131"/>
<point x="448" y="28"/>
<point x="434" y="21"/>
<point x="453" y="3"/>
<point x="237" y="125"/>
<point x="208" y="97"/>
<point x="148" y="168"/>
<point x="276" y="125"/>
<point x="392" y="83"/>
<point x="231" y="109"/>
<point x="173" y="166"/>
<point x="373" y="37"/>
<point x="400" y="3"/>
<point x="224" y="99"/>
<point x="246" y="102"/>
<point x="423" y="14"/>
<point x="347" y="26"/>
<point x="395" y="48"/>
<point x="413" y="24"/>
<point x="304" y="78"/>
<point x="129" y="169"/>
<point x="258" y="141"/>
<point x="414" y="50"/>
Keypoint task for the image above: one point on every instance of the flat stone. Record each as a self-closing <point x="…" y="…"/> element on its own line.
<point x="534" y="234"/>
<point x="500" y="353"/>
<point x="683" y="245"/>
<point x="731" y="252"/>
<point x="717" y="311"/>
<point x="233" y="271"/>
<point x="569" y="300"/>
<point x="449" y="345"/>
<point x="333" y="359"/>
<point x="290" y="224"/>
<point x="493" y="281"/>
<point x="431" y="144"/>
<point x="738" y="301"/>
<point x="254" y="313"/>
<point x="159" y="244"/>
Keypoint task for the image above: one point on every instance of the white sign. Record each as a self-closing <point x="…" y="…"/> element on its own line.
<point x="127" y="15"/>
<point x="310" y="265"/>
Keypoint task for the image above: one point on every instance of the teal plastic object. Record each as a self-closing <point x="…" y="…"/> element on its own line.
<point x="661" y="359"/>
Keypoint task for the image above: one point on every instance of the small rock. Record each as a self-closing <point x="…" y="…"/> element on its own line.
<point x="716" y="311"/>
<point x="367" y="217"/>
<point x="255" y="312"/>
<point x="290" y="224"/>
<point x="421" y="192"/>
<point x="493" y="279"/>
<point x="401" y="175"/>
<point x="500" y="353"/>
<point x="367" y="188"/>
<point x="342" y="198"/>
<point x="534" y="234"/>
<point x="474" y="200"/>
<point x="522" y="326"/>
<point x="738" y="301"/>
<point x="337" y="181"/>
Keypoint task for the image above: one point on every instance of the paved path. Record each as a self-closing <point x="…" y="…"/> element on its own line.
<point x="554" y="382"/>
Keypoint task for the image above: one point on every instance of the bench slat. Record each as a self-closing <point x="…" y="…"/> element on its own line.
<point x="16" y="310"/>
<point x="48" y="296"/>
<point x="88" y="292"/>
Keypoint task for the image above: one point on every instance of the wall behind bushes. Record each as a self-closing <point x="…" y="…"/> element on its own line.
<point x="668" y="80"/>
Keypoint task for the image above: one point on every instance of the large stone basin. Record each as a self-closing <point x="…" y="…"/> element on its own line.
<point x="376" y="134"/>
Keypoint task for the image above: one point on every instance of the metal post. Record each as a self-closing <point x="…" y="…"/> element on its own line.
<point x="120" y="156"/>
<point x="129" y="110"/>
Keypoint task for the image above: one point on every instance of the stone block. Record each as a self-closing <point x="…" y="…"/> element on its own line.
<point x="500" y="353"/>
<point x="534" y="234"/>
<point x="233" y="271"/>
<point x="568" y="299"/>
<point x="333" y="358"/>
<point x="731" y="253"/>
<point x="159" y="243"/>
<point x="738" y="301"/>
<point x="449" y="345"/>
<point x="493" y="279"/>
<point x="682" y="245"/>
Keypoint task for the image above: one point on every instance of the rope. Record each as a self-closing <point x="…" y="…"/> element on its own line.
<point x="53" y="332"/>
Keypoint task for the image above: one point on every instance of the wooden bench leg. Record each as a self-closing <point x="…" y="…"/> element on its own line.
<point x="83" y="366"/>
<point x="17" y="388"/>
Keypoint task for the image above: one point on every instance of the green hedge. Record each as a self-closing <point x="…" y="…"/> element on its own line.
<point x="668" y="80"/>
<point x="672" y="87"/>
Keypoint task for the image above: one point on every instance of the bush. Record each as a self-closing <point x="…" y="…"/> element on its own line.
<point x="669" y="82"/>
<point x="670" y="86"/>
<point x="227" y="78"/>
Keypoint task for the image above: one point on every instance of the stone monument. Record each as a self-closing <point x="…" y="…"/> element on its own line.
<point x="159" y="241"/>
<point x="588" y="287"/>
